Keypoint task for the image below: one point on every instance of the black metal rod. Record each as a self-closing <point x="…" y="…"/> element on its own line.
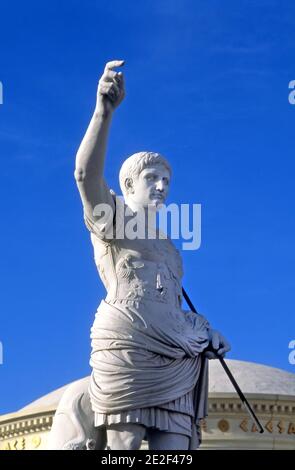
<point x="229" y="374"/>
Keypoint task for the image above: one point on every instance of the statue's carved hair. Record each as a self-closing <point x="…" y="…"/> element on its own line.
<point x="134" y="165"/>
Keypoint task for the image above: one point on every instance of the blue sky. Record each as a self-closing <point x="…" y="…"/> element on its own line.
<point x="207" y="86"/>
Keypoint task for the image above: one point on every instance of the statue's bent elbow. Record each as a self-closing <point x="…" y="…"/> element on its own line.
<point x="79" y="174"/>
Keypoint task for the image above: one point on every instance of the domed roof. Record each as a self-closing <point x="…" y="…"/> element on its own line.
<point x="50" y="400"/>
<point x="251" y="377"/>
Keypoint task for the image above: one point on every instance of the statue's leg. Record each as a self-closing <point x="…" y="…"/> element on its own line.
<point x="161" y="440"/>
<point x="125" y="436"/>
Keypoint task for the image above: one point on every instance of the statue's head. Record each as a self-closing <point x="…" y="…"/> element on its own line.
<point x="144" y="179"/>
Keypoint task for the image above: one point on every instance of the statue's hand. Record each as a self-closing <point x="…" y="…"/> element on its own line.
<point x="111" y="90"/>
<point x="218" y="345"/>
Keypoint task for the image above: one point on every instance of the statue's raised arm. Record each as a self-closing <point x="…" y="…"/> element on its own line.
<point x="91" y="154"/>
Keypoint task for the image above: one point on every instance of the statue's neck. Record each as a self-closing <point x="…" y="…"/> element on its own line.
<point x="146" y="215"/>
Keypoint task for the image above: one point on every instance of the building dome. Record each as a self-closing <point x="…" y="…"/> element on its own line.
<point x="252" y="378"/>
<point x="270" y="391"/>
<point x="50" y="400"/>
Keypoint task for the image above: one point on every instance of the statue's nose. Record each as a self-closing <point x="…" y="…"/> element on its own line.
<point x="160" y="185"/>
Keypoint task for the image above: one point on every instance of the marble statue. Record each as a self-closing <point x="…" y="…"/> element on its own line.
<point x="149" y="355"/>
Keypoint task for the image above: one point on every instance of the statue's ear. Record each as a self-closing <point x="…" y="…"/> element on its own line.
<point x="129" y="185"/>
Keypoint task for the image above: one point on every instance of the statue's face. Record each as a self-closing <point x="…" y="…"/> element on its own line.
<point x="150" y="187"/>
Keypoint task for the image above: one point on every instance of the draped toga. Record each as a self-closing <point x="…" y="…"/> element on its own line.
<point x="146" y="360"/>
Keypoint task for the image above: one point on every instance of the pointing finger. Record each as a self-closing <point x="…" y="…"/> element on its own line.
<point x="113" y="63"/>
<point x="110" y="75"/>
